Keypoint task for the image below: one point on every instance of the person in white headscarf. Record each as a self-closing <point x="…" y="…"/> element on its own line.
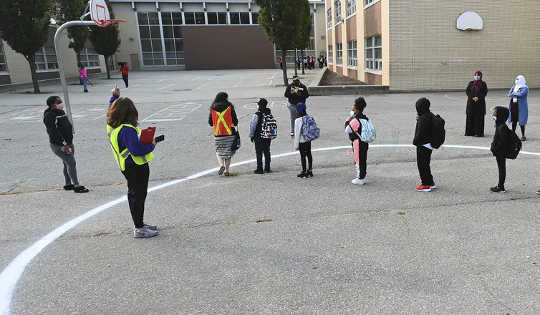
<point x="519" y="107"/>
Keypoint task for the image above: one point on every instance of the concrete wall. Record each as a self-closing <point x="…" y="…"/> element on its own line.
<point x="129" y="35"/>
<point x="428" y="53"/>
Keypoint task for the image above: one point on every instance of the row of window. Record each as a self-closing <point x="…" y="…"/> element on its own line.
<point x="197" y="18"/>
<point x="3" y="62"/>
<point x="350" y="10"/>
<point x="373" y="53"/>
<point x="46" y="59"/>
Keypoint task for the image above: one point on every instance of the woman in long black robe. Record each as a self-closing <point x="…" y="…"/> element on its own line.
<point x="476" y="106"/>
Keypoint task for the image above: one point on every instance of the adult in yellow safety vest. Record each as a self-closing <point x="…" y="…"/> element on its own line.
<point x="132" y="157"/>
<point x="223" y="119"/>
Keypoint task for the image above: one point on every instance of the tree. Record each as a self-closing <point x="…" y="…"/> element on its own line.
<point x="279" y="18"/>
<point x="105" y="40"/>
<point x="72" y="10"/>
<point x="303" y="29"/>
<point x="24" y="25"/>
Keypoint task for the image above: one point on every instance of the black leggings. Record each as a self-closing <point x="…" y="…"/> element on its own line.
<point x="514" y="107"/>
<point x="501" y="164"/>
<point x="305" y="152"/>
<point x="423" y="160"/>
<point x="137" y="181"/>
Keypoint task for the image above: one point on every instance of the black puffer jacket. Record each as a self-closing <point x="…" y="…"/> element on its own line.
<point x="58" y="126"/>
<point x="424" y="125"/>
<point x="503" y="135"/>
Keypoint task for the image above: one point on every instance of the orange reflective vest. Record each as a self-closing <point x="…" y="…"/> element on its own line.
<point x="223" y="124"/>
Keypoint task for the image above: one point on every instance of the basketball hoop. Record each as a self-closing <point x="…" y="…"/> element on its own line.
<point x="99" y="13"/>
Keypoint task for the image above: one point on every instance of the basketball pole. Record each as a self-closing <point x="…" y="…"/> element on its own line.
<point x="60" y="60"/>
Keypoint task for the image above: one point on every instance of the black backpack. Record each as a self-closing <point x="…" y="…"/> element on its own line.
<point x="514" y="146"/>
<point x="438" y="134"/>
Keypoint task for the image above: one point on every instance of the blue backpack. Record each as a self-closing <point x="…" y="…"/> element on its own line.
<point x="310" y="130"/>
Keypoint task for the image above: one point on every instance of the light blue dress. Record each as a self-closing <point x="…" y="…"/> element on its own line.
<point x="523" y="105"/>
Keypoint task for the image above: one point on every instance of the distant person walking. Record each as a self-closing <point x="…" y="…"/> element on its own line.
<point x="476" y="106"/>
<point x="132" y="157"/>
<point x="302" y="143"/>
<point x="296" y="93"/>
<point x="124" y="69"/>
<point x="260" y="136"/>
<point x="223" y="119"/>
<point x="519" y="107"/>
<point x="60" y="133"/>
<point x="83" y="76"/>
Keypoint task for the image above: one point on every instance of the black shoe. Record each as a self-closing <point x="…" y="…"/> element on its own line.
<point x="69" y="187"/>
<point x="267" y="170"/>
<point x="258" y="171"/>
<point x="498" y="189"/>
<point x="309" y="174"/>
<point x="523" y="138"/>
<point x="538" y="192"/>
<point x="80" y="189"/>
<point x="302" y="175"/>
<point x="226" y="174"/>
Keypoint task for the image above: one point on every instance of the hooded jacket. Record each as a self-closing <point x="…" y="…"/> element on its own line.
<point x="58" y="126"/>
<point x="424" y="125"/>
<point x="503" y="135"/>
<point x="296" y="93"/>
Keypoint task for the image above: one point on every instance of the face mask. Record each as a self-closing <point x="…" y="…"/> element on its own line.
<point x="494" y="117"/>
<point x="60" y="106"/>
<point x="352" y="114"/>
<point x="476" y="78"/>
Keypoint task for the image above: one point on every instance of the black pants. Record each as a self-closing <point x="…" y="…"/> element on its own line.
<point x="362" y="158"/>
<point x="501" y="164"/>
<point x="514" y="110"/>
<point x="262" y="146"/>
<point x="305" y="153"/>
<point x="125" y="78"/>
<point x="137" y="181"/>
<point x="423" y="160"/>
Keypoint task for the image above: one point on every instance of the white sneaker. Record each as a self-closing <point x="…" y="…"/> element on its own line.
<point x="358" y="181"/>
<point x="144" y="233"/>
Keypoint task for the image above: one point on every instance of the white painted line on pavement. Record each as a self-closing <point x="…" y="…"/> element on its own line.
<point x="13" y="272"/>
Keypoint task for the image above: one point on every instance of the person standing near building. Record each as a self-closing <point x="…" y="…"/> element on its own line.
<point x="353" y="127"/>
<point x="476" y="106"/>
<point x="296" y="93"/>
<point x="223" y="119"/>
<point x="500" y="144"/>
<point x="124" y="69"/>
<point x="83" y="76"/>
<point x="262" y="145"/>
<point x="422" y="141"/>
<point x="60" y="133"/>
<point x="519" y="107"/>
<point x="132" y="157"/>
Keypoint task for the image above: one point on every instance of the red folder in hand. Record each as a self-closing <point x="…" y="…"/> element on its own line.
<point x="147" y="135"/>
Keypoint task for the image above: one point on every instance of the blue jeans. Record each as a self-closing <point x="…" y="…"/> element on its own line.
<point x="292" y="111"/>
<point x="85" y="84"/>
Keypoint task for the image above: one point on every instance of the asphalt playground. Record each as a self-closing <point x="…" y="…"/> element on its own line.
<point x="272" y="243"/>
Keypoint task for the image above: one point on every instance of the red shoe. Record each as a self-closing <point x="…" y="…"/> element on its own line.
<point x="423" y="188"/>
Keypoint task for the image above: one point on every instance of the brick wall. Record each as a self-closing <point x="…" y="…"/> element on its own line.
<point x="427" y="52"/>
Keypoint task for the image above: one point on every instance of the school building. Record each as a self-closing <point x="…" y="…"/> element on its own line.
<point x="433" y="44"/>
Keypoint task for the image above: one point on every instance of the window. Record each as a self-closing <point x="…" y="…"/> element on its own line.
<point x="194" y="17"/>
<point x="255" y="17"/>
<point x="330" y="54"/>
<point x="46" y="59"/>
<point x="3" y="62"/>
<point x="374" y="54"/>
<point x="150" y="33"/>
<point x="89" y="58"/>
<point x="338" y="11"/>
<point x="339" y="53"/>
<point x="368" y="3"/>
<point x="329" y="18"/>
<point x="217" y="17"/>
<point x="173" y="37"/>
<point x="239" y="17"/>
<point x="352" y="53"/>
<point x="351" y="7"/>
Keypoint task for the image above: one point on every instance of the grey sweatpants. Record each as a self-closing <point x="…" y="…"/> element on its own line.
<point x="292" y="111"/>
<point x="70" y="170"/>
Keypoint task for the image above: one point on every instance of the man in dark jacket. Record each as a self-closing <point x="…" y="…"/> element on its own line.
<point x="501" y="144"/>
<point x="422" y="141"/>
<point x="60" y="133"/>
<point x="296" y="93"/>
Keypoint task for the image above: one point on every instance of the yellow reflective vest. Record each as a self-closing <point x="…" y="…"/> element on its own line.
<point x="121" y="157"/>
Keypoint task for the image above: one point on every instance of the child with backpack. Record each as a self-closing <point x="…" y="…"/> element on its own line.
<point x="506" y="144"/>
<point x="262" y="130"/>
<point x="305" y="131"/>
<point x="423" y="137"/>
<point x="358" y="128"/>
